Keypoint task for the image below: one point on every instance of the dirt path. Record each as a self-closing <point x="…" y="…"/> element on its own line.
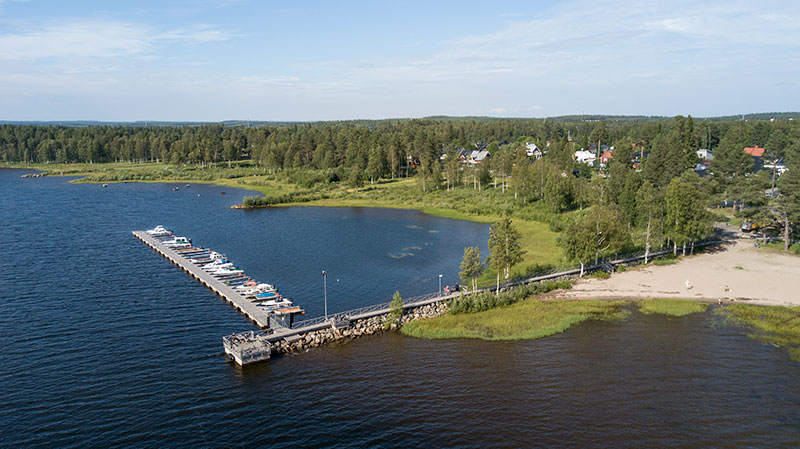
<point x="750" y="274"/>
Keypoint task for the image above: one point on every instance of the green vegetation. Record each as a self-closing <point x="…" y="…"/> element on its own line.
<point x="779" y="326"/>
<point x="395" y="310"/>
<point x="524" y="320"/>
<point x="504" y="248"/>
<point x="599" y="274"/>
<point x="479" y="302"/>
<point x="779" y="247"/>
<point x="672" y="307"/>
<point x="667" y="260"/>
<point x="598" y="233"/>
<point x="471" y="267"/>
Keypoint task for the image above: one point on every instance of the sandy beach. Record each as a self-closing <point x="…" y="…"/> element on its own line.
<point x="737" y="272"/>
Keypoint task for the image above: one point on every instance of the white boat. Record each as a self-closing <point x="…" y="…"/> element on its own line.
<point x="213" y="266"/>
<point x="227" y="271"/>
<point x="159" y="231"/>
<point x="177" y="242"/>
<point x="213" y="256"/>
<point x="277" y="303"/>
<point x="248" y="290"/>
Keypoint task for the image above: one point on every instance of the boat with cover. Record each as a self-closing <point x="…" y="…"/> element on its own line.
<point x="250" y="290"/>
<point x="273" y="304"/>
<point x="177" y="242"/>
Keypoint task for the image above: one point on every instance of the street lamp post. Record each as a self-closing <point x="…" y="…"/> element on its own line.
<point x="440" y="285"/>
<point x="325" y="291"/>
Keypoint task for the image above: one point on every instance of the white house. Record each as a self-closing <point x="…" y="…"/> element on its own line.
<point x="705" y="154"/>
<point x="477" y="156"/>
<point x="532" y="150"/>
<point x="585" y="157"/>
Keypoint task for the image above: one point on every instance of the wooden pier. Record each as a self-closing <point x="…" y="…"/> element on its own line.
<point x="249" y="309"/>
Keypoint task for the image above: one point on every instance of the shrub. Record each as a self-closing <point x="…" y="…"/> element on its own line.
<point x="395" y="310"/>
<point x="479" y="302"/>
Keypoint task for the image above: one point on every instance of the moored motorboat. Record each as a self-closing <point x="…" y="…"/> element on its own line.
<point x="159" y="231"/>
<point x="177" y="242"/>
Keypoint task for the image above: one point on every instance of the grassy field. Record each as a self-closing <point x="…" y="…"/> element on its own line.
<point x="779" y="326"/>
<point x="672" y="307"/>
<point x="525" y="320"/>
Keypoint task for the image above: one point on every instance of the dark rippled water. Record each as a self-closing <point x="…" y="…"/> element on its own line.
<point x="105" y="344"/>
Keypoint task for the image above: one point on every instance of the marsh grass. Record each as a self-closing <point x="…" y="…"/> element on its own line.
<point x="672" y="307"/>
<point x="775" y="325"/>
<point x="524" y="320"/>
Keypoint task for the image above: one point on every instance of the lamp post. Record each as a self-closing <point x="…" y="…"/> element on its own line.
<point x="440" y="285"/>
<point x="325" y="291"/>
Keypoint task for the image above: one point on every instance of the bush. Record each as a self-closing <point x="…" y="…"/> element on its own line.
<point x="395" y="310"/>
<point x="599" y="274"/>
<point x="479" y="302"/>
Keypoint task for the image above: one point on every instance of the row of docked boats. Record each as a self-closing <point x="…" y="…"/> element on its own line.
<point x="265" y="296"/>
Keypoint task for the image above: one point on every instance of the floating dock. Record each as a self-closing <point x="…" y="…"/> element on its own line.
<point x="249" y="309"/>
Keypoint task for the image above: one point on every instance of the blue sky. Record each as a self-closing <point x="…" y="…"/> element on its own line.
<point x="312" y="60"/>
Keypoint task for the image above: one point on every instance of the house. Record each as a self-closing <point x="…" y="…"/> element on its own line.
<point x="777" y="166"/>
<point x="606" y="158"/>
<point x="585" y="157"/>
<point x="532" y="150"/>
<point x="757" y="152"/>
<point x="705" y="154"/>
<point x="478" y="156"/>
<point x="481" y="145"/>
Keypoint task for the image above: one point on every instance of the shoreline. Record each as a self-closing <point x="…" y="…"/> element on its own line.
<point x="737" y="274"/>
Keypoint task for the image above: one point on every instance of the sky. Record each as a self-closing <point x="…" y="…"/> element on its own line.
<point x="204" y="60"/>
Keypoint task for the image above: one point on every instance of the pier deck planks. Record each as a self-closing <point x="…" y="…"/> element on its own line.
<point x="226" y="292"/>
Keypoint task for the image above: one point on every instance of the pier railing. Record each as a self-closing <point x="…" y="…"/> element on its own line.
<point x="407" y="303"/>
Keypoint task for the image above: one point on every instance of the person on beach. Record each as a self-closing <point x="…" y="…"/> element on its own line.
<point x="688" y="285"/>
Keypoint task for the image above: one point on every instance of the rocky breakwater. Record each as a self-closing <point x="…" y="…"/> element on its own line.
<point x="359" y="328"/>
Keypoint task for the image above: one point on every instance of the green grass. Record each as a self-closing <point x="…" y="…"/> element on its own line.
<point x="738" y="267"/>
<point x="779" y="326"/>
<point x="672" y="307"/>
<point x="668" y="260"/>
<point x="524" y="320"/>
<point x="778" y="247"/>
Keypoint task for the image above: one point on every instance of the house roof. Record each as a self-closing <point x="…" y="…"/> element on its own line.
<point x="607" y="155"/>
<point x="754" y="151"/>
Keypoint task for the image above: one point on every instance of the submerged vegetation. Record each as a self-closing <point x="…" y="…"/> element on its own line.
<point x="775" y="325"/>
<point x="672" y="307"/>
<point x="524" y="320"/>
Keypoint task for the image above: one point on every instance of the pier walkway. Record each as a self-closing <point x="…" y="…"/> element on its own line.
<point x="226" y="292"/>
<point x="255" y="346"/>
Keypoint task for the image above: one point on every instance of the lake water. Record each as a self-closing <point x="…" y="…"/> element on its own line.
<point x="106" y="344"/>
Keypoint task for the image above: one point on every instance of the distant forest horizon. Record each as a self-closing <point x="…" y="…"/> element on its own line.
<point x="573" y="118"/>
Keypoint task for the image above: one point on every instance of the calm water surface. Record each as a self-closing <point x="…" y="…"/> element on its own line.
<point x="106" y="344"/>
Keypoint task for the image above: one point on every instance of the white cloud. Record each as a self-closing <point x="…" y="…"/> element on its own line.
<point x="76" y="39"/>
<point x="498" y="110"/>
<point x="96" y="39"/>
